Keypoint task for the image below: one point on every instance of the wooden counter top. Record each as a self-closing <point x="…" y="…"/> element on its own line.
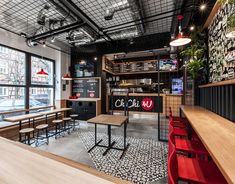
<point x="218" y="136"/>
<point x="35" y="166"/>
<point x="107" y="119"/>
<point x="85" y="99"/>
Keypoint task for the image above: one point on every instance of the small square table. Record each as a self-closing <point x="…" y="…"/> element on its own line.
<point x="109" y="120"/>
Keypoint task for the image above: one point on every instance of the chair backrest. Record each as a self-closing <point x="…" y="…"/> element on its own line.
<point x="173" y="168"/>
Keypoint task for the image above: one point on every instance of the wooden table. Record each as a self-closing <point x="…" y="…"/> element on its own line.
<point x="54" y="111"/>
<point x="21" y="118"/>
<point x="218" y="136"/>
<point x="33" y="166"/>
<point x="110" y="120"/>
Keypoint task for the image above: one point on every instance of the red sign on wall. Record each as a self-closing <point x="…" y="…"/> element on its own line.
<point x="147" y="104"/>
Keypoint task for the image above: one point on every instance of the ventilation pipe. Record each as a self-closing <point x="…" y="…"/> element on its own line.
<point x="116" y="6"/>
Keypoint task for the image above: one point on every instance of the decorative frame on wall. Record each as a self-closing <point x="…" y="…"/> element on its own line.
<point x="221" y="48"/>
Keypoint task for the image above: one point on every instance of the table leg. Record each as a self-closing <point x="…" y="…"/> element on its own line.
<point x="56" y="115"/>
<point x="125" y="145"/>
<point x="19" y="131"/>
<point x="96" y="143"/>
<point x="110" y="145"/>
<point x="46" y="118"/>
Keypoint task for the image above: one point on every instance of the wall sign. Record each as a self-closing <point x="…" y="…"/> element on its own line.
<point x="86" y="88"/>
<point x="138" y="103"/>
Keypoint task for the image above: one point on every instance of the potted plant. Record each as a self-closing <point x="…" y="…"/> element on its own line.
<point x="194" y="53"/>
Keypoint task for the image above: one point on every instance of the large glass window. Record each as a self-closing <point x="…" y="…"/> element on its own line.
<point x="37" y="64"/>
<point x="15" y="81"/>
<point x="41" y="97"/>
<point x="12" y="66"/>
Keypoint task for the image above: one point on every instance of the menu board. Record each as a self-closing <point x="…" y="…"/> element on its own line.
<point x="86" y="88"/>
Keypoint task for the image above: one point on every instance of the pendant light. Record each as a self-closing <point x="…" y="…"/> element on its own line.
<point x="180" y="39"/>
<point x="42" y="73"/>
<point x="67" y="77"/>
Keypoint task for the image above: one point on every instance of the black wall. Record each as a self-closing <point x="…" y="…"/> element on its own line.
<point x="220" y="100"/>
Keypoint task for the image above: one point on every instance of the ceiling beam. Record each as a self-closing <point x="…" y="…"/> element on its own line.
<point x="77" y="11"/>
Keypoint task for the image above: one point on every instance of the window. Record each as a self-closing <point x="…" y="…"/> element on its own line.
<point x="44" y="97"/>
<point x="13" y="80"/>
<point x="13" y="100"/>
<point x="3" y="91"/>
<point x="12" y="67"/>
<point x="37" y="64"/>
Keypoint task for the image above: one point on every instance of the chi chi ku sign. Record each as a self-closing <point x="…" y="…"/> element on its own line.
<point x="138" y="103"/>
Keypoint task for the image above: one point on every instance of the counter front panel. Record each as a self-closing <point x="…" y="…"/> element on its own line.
<point x="137" y="103"/>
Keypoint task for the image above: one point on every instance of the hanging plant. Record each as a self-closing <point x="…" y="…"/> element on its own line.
<point x="231" y="27"/>
<point x="229" y="1"/>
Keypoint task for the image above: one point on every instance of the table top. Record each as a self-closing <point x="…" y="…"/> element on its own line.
<point x="55" y="111"/>
<point x="218" y="136"/>
<point x="37" y="167"/>
<point x="22" y="117"/>
<point x="106" y="119"/>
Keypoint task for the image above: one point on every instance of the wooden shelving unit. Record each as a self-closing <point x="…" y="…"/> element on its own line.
<point x="138" y="67"/>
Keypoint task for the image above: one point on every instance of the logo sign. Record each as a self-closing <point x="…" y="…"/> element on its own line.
<point x="137" y="103"/>
<point x="147" y="104"/>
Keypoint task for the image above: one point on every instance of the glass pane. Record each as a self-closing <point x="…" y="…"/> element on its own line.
<point x="12" y="66"/>
<point x="12" y="98"/>
<point x="37" y="64"/>
<point x="40" y="97"/>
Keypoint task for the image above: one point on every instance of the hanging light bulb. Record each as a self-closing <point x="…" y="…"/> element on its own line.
<point x="53" y="39"/>
<point x="180" y="39"/>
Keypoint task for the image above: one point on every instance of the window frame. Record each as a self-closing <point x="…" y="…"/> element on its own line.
<point x="27" y="85"/>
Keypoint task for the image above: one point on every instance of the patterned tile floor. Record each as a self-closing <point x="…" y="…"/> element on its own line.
<point x="72" y="147"/>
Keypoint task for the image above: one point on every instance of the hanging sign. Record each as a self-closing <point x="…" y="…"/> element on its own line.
<point x="138" y="103"/>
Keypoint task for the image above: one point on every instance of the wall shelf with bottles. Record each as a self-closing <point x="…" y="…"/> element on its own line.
<point x="139" y="67"/>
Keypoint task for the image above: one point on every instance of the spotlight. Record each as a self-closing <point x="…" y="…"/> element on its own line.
<point x="53" y="39"/>
<point x="203" y="7"/>
<point x="44" y="44"/>
<point x="95" y="58"/>
<point x="192" y="28"/>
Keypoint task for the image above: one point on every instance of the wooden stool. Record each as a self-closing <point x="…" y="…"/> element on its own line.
<point x="42" y="127"/>
<point x="58" y="126"/>
<point x="26" y="132"/>
<point x="66" y="122"/>
<point x="74" y="117"/>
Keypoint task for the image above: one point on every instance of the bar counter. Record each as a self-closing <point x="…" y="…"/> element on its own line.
<point x="218" y="136"/>
<point x="23" y="164"/>
<point x="168" y="100"/>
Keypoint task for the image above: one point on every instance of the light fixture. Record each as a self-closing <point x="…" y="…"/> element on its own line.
<point x="42" y="73"/>
<point x="22" y="34"/>
<point x="203" y="7"/>
<point x="95" y="58"/>
<point x="180" y="39"/>
<point x="44" y="44"/>
<point x="82" y="62"/>
<point x="192" y="28"/>
<point x="67" y="77"/>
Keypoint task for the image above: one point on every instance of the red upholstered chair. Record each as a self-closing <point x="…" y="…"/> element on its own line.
<point x="181" y="168"/>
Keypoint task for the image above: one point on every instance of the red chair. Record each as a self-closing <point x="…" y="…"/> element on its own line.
<point x="191" y="170"/>
<point x="177" y="121"/>
<point x="195" y="148"/>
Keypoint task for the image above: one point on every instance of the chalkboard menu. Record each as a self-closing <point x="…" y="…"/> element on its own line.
<point x="86" y="88"/>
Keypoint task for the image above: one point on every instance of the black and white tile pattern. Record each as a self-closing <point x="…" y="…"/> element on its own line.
<point x="145" y="160"/>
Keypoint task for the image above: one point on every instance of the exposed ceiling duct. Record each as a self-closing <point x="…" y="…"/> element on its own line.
<point x="125" y="34"/>
<point x="116" y="6"/>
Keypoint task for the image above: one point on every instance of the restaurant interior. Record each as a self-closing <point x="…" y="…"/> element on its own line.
<point x="117" y="91"/>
